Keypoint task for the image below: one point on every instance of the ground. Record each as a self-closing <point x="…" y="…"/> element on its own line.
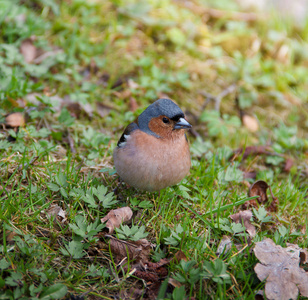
<point x="74" y="74"/>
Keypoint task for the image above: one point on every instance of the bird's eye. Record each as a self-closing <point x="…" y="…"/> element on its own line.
<point x="165" y="120"/>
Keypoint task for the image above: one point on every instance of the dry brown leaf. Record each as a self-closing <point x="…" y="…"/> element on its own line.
<point x="280" y="268"/>
<point x="174" y="283"/>
<point x="224" y="245"/>
<point x="10" y="237"/>
<point x="303" y="256"/>
<point x="28" y="50"/>
<point x="116" y="217"/>
<point x="244" y="217"/>
<point x="249" y="175"/>
<point x="152" y="272"/>
<point x="259" y="295"/>
<point x="132" y="104"/>
<point x="250" y="123"/>
<point x="78" y="109"/>
<point x="180" y="255"/>
<point x="138" y="251"/>
<point x="288" y="165"/>
<point x="15" y="120"/>
<point x="103" y="109"/>
<point x="56" y="211"/>
<point x="258" y="188"/>
<point x="132" y="84"/>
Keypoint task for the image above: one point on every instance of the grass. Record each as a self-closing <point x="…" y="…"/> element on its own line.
<point x="113" y="58"/>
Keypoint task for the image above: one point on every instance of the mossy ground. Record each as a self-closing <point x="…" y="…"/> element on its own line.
<point x="113" y="58"/>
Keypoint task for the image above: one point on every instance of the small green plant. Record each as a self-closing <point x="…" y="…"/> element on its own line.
<point x="95" y="271"/>
<point x="188" y="272"/>
<point x="216" y="270"/>
<point x="262" y="215"/>
<point x="231" y="227"/>
<point x="176" y="236"/>
<point x="73" y="249"/>
<point x="95" y="197"/>
<point x="220" y="126"/>
<point x="135" y="233"/>
<point x="86" y="230"/>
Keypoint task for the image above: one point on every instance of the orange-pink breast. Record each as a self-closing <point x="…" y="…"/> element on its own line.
<point x="151" y="164"/>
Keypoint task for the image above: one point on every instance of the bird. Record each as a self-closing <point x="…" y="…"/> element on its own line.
<point x="153" y="151"/>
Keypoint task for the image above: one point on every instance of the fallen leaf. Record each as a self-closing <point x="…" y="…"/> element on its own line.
<point x="258" y="188"/>
<point x="15" y="120"/>
<point x="132" y="104"/>
<point x="280" y="268"/>
<point x="116" y="217"/>
<point x="250" y="123"/>
<point x="249" y="175"/>
<point x="303" y="256"/>
<point x="180" y="255"/>
<point x="21" y="19"/>
<point x="283" y="54"/>
<point x="224" y="245"/>
<point x="102" y="109"/>
<point x="132" y="84"/>
<point x="28" y="50"/>
<point x="259" y="295"/>
<point x="10" y="236"/>
<point x="174" y="283"/>
<point x="244" y="217"/>
<point x="78" y="109"/>
<point x="137" y="251"/>
<point x="253" y="202"/>
<point x="56" y="211"/>
<point x="288" y="165"/>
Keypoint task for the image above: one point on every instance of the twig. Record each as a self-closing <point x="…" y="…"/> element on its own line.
<point x="217" y="99"/>
<point x="21" y="166"/>
<point x="71" y="142"/>
<point x="220" y="14"/>
<point x="45" y="55"/>
<point x="234" y="15"/>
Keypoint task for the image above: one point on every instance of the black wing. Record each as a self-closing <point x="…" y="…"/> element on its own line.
<point x="128" y="130"/>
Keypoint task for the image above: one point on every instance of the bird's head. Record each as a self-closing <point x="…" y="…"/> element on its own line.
<point x="163" y="119"/>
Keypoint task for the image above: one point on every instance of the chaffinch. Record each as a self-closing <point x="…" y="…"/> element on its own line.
<point x="153" y="151"/>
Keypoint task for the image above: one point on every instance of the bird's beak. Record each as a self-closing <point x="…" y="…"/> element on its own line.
<point x="182" y="124"/>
